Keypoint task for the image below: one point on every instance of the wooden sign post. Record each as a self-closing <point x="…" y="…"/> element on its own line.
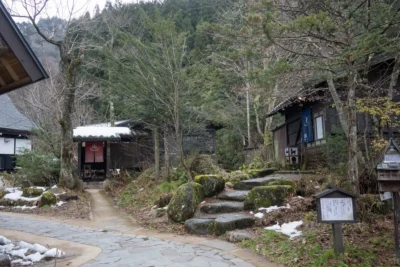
<point x="336" y="206"/>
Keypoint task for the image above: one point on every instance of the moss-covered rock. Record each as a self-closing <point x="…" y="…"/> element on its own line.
<point x="282" y="182"/>
<point x="19" y="202"/>
<point x="266" y="196"/>
<point x="31" y="192"/>
<point x="184" y="203"/>
<point x="258" y="173"/>
<point x="203" y="164"/>
<point x="48" y="198"/>
<point x="212" y="184"/>
<point x="237" y="176"/>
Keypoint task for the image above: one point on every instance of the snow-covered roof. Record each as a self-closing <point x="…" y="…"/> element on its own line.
<point x="101" y="133"/>
<point x="106" y="124"/>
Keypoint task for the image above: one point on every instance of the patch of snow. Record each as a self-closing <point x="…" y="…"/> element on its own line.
<point x="54" y="253"/>
<point x="6" y="248"/>
<point x="34" y="257"/>
<point x="60" y="203"/>
<point x="202" y="202"/>
<point x="166" y="207"/>
<point x="251" y="212"/>
<point x="23" y="244"/>
<point x="101" y="131"/>
<point x="154" y="207"/>
<point x="273" y="208"/>
<point x="39" y="248"/>
<point x="19" y="252"/>
<point x="25" y="263"/>
<point x="16" y="261"/>
<point x="300" y="197"/>
<point x="2" y="207"/>
<point x="288" y="229"/>
<point x="16" y="194"/>
<point x="259" y="215"/>
<point x="54" y="186"/>
<point x="4" y="240"/>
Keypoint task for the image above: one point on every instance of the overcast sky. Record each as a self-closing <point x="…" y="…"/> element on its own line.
<point x="61" y="8"/>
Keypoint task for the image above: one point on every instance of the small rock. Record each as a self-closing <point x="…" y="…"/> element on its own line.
<point x="5" y="261"/>
<point x="239" y="235"/>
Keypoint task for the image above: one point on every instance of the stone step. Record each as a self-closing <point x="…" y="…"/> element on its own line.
<point x="251" y="183"/>
<point x="220" y="225"/>
<point x="233" y="195"/>
<point x="229" y="222"/>
<point x="222" y="207"/>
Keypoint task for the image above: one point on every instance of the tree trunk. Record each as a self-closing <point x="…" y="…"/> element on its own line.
<point x="156" y="140"/>
<point x="67" y="171"/>
<point x="112" y="114"/>
<point x="338" y="104"/>
<point x="395" y="76"/>
<point x="166" y="154"/>
<point x="352" y="136"/>
<point x="249" y="143"/>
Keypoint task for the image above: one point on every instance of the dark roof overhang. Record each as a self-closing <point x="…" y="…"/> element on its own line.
<point x="18" y="64"/>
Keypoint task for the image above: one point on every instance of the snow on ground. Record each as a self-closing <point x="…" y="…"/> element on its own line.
<point x="60" y="203"/>
<point x="24" y="253"/>
<point x="273" y="208"/>
<point x="259" y="215"/>
<point x="288" y="229"/>
<point x="15" y="193"/>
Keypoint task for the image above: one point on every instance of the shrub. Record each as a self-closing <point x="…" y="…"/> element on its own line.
<point x="38" y="169"/>
<point x="230" y="148"/>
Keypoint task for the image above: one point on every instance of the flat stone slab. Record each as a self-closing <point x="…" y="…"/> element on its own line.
<point x="222" y="207"/>
<point x="233" y="195"/>
<point x="229" y="222"/>
<point x="251" y="183"/>
<point x="239" y="235"/>
<point x="200" y="226"/>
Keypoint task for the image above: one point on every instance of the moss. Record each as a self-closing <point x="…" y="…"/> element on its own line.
<point x="237" y="176"/>
<point x="31" y="192"/>
<point x="48" y="198"/>
<point x="2" y="193"/>
<point x="257" y="173"/>
<point x="212" y="184"/>
<point x="266" y="196"/>
<point x="184" y="203"/>
<point x="203" y="164"/>
<point x="12" y="203"/>
<point x="282" y="182"/>
<point x="229" y="184"/>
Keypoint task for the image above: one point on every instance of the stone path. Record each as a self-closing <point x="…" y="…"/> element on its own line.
<point x="121" y="248"/>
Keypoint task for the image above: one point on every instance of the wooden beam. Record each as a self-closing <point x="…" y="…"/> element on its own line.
<point x="9" y="69"/>
<point x="15" y="84"/>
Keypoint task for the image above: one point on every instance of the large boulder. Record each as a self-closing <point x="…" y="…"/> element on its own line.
<point x="47" y="199"/>
<point x="266" y="196"/>
<point x="237" y="176"/>
<point x="212" y="184"/>
<point x="32" y="192"/>
<point x="184" y="203"/>
<point x="258" y="173"/>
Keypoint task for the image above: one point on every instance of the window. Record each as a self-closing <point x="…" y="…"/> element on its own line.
<point x="319" y="128"/>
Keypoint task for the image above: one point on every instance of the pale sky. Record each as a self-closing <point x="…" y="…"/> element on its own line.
<point x="61" y="8"/>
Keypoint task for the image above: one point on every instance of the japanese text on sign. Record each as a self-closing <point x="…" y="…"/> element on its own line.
<point x="337" y="209"/>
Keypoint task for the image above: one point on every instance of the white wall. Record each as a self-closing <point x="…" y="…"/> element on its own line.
<point x="7" y="145"/>
<point x="22" y="144"/>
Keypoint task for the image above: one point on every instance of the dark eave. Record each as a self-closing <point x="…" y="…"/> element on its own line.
<point x="18" y="64"/>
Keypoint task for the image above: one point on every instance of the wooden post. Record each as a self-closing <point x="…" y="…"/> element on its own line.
<point x="108" y="158"/>
<point x="79" y="171"/>
<point x="396" y="223"/>
<point x="338" y="245"/>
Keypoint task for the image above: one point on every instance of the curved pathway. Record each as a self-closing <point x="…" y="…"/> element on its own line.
<point x="121" y="245"/>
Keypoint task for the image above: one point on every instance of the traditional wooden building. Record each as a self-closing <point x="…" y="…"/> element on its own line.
<point x="15" y="129"/>
<point x="18" y="67"/>
<point x="18" y="64"/>
<point x="310" y="117"/>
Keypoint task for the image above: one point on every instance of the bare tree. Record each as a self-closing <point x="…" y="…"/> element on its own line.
<point x="71" y="49"/>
